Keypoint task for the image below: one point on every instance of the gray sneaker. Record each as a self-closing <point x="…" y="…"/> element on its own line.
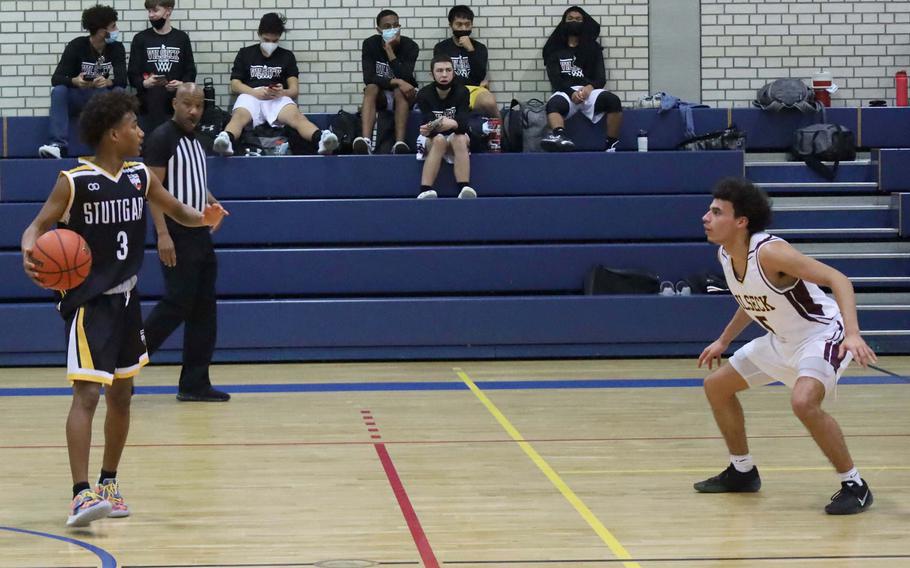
<point x="50" y="151"/>
<point x="327" y="143"/>
<point x="467" y="192"/>
<point x="222" y="145"/>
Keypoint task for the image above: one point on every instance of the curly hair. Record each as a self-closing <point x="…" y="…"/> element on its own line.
<point x="104" y="112"/>
<point x="748" y="201"/>
<point x="98" y="17"/>
<point x="272" y="23"/>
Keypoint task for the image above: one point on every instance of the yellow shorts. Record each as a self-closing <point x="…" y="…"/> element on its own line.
<point x="475" y="92"/>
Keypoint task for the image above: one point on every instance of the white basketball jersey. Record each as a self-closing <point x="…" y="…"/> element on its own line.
<point x="792" y="314"/>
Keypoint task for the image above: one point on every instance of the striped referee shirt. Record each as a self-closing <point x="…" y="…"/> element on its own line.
<point x="183" y="158"/>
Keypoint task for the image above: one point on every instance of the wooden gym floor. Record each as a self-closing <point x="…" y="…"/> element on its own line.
<point x="516" y="464"/>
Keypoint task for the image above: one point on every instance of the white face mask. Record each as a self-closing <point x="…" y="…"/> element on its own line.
<point x="268" y="47"/>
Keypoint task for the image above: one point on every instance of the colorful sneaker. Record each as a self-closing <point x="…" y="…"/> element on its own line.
<point x="87" y="506"/>
<point x="851" y="499"/>
<point x="110" y="492"/>
<point x="731" y="481"/>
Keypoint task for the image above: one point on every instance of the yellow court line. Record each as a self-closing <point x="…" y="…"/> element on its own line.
<point x="704" y="470"/>
<point x="615" y="546"/>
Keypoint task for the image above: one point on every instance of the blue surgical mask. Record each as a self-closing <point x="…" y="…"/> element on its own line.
<point x="389" y="34"/>
<point x="113" y="37"/>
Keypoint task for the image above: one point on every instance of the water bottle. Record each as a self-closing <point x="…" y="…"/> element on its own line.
<point x="208" y="92"/>
<point x="642" y="140"/>
<point x="900" y="85"/>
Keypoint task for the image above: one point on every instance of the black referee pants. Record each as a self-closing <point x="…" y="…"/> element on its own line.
<point x="189" y="299"/>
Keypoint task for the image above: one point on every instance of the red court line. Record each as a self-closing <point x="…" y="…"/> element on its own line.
<point x="441" y="442"/>
<point x="404" y="503"/>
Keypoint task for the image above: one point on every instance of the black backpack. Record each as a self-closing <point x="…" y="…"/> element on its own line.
<point x="604" y="280"/>
<point x="346" y="127"/>
<point x="824" y="143"/>
<point x="512" y="137"/>
<point x="784" y="94"/>
<point x="524" y="125"/>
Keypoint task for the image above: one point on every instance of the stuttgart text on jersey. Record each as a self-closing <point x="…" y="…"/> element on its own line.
<point x="113" y="211"/>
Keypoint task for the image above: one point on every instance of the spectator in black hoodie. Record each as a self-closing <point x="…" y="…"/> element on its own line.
<point x="161" y="59"/>
<point x="443" y="105"/>
<point x="388" y="60"/>
<point x="575" y="67"/>
<point x="90" y="64"/>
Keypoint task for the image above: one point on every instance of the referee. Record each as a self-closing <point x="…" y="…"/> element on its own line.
<point x="187" y="255"/>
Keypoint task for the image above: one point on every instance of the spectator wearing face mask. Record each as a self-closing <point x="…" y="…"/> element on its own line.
<point x="575" y="67"/>
<point x="89" y="65"/>
<point x="161" y="59"/>
<point x="388" y="60"/>
<point x="266" y="81"/>
<point x="469" y="59"/>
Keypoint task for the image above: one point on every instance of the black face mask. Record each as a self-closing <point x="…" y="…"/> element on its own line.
<point x="158" y="24"/>
<point x="574" y="28"/>
<point x="442" y="87"/>
<point x="461" y="33"/>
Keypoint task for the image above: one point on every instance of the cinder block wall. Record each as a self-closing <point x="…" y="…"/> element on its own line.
<point x="744" y="44"/>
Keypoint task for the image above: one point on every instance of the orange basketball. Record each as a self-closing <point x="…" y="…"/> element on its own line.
<point x="62" y="259"/>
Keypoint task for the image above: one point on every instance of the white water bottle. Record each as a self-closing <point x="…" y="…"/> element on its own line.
<point x="642" y="140"/>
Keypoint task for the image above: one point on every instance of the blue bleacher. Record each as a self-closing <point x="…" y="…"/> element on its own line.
<point x="334" y="259"/>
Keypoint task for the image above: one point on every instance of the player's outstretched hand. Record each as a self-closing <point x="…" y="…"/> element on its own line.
<point x="213" y="214"/>
<point x="857" y="346"/>
<point x="712" y="353"/>
<point x="28" y="264"/>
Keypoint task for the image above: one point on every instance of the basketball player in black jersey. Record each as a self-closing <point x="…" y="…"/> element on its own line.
<point x="103" y="199"/>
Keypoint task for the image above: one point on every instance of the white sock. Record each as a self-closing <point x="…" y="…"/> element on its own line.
<point x="851" y="476"/>
<point x="742" y="464"/>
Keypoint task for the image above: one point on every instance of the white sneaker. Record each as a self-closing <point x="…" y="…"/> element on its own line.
<point x="428" y="194"/>
<point x="327" y="143"/>
<point x="49" y="151"/>
<point x="222" y="144"/>
<point x="467" y="193"/>
<point x="361" y="145"/>
<point x="667" y="288"/>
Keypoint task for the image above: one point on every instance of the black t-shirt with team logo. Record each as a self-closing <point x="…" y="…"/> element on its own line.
<point x="254" y="69"/>
<point x="109" y="212"/>
<point x="167" y="54"/>
<point x="378" y="70"/>
<point x="564" y="72"/>
<point x="80" y="57"/>
<point x="456" y="105"/>
<point x="471" y="66"/>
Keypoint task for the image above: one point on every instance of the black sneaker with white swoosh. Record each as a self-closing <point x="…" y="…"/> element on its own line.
<point x="850" y="500"/>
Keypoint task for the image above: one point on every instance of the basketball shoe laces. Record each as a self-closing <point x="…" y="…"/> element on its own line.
<point x="111" y="492"/>
<point x="85" y="499"/>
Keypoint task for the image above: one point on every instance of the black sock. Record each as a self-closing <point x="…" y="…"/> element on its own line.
<point x="107" y="475"/>
<point x="463" y="184"/>
<point x="81" y="486"/>
<point x="559" y="131"/>
<point x="426" y="188"/>
<point x="611" y="141"/>
<point x="316" y="136"/>
<point x="231" y="137"/>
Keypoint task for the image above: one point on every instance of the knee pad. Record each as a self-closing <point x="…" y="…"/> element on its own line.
<point x="607" y="102"/>
<point x="558" y="104"/>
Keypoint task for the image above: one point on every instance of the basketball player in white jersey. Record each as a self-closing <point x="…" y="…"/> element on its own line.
<point x="810" y="341"/>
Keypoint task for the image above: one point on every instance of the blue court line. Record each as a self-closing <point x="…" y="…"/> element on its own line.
<point x="403" y="386"/>
<point x="107" y="560"/>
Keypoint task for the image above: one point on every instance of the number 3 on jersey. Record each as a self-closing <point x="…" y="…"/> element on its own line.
<point x="124" y="249"/>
